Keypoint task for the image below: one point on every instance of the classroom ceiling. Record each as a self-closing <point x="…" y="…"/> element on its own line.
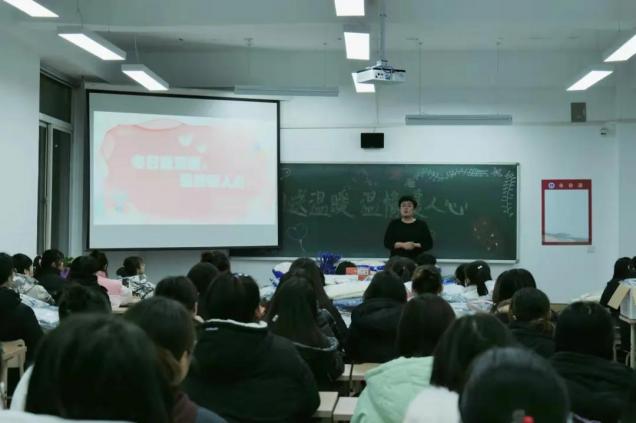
<point x="207" y="25"/>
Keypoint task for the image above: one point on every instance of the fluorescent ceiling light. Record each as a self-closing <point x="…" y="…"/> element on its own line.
<point x="92" y="43"/>
<point x="458" y="119"/>
<point x="286" y="91"/>
<point x="357" y="45"/>
<point x="32" y="8"/>
<point x="624" y="52"/>
<point x="589" y="79"/>
<point x="145" y="77"/>
<point x="349" y="7"/>
<point x="362" y="88"/>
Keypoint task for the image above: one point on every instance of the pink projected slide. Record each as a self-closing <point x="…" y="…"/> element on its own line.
<point x="153" y="169"/>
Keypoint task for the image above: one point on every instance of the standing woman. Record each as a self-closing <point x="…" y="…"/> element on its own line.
<point x="407" y="236"/>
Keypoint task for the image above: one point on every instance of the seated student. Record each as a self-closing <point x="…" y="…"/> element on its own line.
<point x="113" y="374"/>
<point x="169" y="325"/>
<point x="293" y="314"/>
<point x="182" y="290"/>
<point x="374" y="323"/>
<point x="75" y="299"/>
<point x="48" y="270"/>
<point x="333" y="319"/>
<point x="202" y="274"/>
<point x="506" y="285"/>
<point x="23" y="281"/>
<point x="623" y="269"/>
<point x="426" y="280"/>
<point x="17" y="321"/>
<point x="402" y="266"/>
<point x="132" y="274"/>
<point x="584" y="338"/>
<point x="464" y="340"/>
<point x="530" y="321"/>
<point x="342" y="267"/>
<point x="116" y="289"/>
<point x="393" y="385"/>
<point x="240" y="369"/>
<point x="460" y="274"/>
<point x="477" y="281"/>
<point x="512" y="385"/>
<point x="84" y="272"/>
<point x="218" y="259"/>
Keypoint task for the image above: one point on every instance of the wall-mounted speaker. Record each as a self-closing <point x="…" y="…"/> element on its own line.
<point x="579" y="112"/>
<point x="372" y="140"/>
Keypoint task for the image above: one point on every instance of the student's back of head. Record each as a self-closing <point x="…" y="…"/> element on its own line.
<point x="218" y="259"/>
<point x="424" y="320"/>
<point x="308" y="269"/>
<point x="464" y="340"/>
<point x="169" y="325"/>
<point x="401" y="266"/>
<point x="202" y="274"/>
<point x="585" y="328"/>
<point x="460" y="274"/>
<point x="132" y="266"/>
<point x="477" y="273"/>
<point x="342" y="267"/>
<point x="530" y="304"/>
<point x="510" y="282"/>
<point x="387" y="285"/>
<point x="293" y="313"/>
<point x="426" y="259"/>
<point x="98" y="367"/>
<point x="426" y="280"/>
<point x="80" y="299"/>
<point x="83" y="268"/>
<point x="623" y="269"/>
<point x="22" y="264"/>
<point x="102" y="260"/>
<point x="180" y="289"/>
<point x="231" y="297"/>
<point x="6" y="268"/>
<point x="508" y="384"/>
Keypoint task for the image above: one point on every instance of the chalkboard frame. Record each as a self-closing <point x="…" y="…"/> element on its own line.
<point x="454" y="260"/>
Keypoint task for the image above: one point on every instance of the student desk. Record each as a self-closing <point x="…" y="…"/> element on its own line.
<point x="327" y="405"/>
<point x="344" y="409"/>
<point x="359" y="370"/>
<point x="632" y="350"/>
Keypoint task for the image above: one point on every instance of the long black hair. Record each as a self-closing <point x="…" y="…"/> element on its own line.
<point x="231" y="297"/>
<point x="424" y="319"/>
<point x="477" y="273"/>
<point x="585" y="328"/>
<point x="386" y="284"/>
<point x="44" y="264"/>
<point x="293" y="313"/>
<point x="86" y="354"/>
<point x="464" y="340"/>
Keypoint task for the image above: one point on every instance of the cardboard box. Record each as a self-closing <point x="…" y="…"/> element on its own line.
<point x="625" y="298"/>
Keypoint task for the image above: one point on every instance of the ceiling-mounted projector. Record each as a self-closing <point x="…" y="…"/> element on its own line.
<point x="381" y="73"/>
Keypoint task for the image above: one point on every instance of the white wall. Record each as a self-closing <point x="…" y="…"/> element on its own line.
<point x="19" y="103"/>
<point x="529" y="85"/>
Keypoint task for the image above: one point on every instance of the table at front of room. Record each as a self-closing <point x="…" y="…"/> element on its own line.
<point x="632" y="338"/>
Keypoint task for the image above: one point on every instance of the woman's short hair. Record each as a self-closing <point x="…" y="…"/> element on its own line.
<point x="623" y="268"/>
<point x="218" y="259"/>
<point x="98" y="367"/>
<point x="424" y="320"/>
<point x="530" y="304"/>
<point x="405" y="198"/>
<point x="21" y="262"/>
<point x="386" y="284"/>
<point x="202" y="274"/>
<point x="510" y="282"/>
<point x="231" y="297"/>
<point x="426" y="280"/>
<point x="465" y="339"/>
<point x="180" y="289"/>
<point x="579" y="324"/>
<point x="342" y="267"/>
<point x="508" y="384"/>
<point x="76" y="298"/>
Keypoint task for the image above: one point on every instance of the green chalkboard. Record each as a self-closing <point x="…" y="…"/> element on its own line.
<point x="471" y="209"/>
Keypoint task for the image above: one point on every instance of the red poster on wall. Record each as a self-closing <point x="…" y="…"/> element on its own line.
<point x="566" y="214"/>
